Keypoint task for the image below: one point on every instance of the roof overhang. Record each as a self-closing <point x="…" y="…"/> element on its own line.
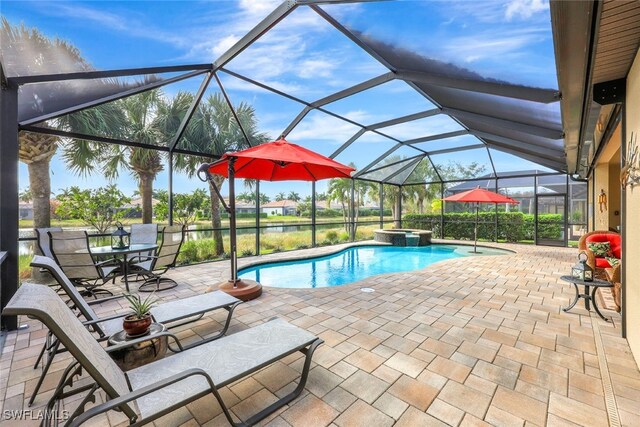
<point x="595" y="42"/>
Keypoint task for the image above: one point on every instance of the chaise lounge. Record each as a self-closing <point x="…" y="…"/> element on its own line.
<point x="151" y="391"/>
<point x="171" y="314"/>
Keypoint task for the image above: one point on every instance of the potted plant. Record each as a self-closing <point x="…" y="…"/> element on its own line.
<point x="137" y="323"/>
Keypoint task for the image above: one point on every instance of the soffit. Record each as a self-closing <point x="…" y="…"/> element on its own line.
<point x="618" y="39"/>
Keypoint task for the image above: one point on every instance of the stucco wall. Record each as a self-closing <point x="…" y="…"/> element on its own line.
<point x="631" y="256"/>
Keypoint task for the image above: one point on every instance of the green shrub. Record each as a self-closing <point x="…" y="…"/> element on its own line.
<point x="247" y="252"/>
<point x="331" y="236"/>
<point x="188" y="252"/>
<point x="328" y="213"/>
<point x="24" y="266"/>
<point x="302" y="247"/>
<point x="512" y="226"/>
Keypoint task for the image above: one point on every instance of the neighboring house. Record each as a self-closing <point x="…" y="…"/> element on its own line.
<point x="245" y="208"/>
<point x="242" y="207"/>
<point x="283" y="207"/>
<point x="134" y="208"/>
<point x="26" y="210"/>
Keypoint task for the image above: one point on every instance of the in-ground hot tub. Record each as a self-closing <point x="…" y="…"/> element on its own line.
<point x="403" y="237"/>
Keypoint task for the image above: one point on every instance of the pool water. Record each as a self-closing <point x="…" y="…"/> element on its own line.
<point x="353" y="264"/>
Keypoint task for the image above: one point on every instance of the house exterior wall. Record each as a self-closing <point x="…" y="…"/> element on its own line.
<point x="272" y="211"/>
<point x="631" y="220"/>
<point x="607" y="171"/>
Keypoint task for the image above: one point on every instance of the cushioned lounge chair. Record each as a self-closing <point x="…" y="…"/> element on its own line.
<point x="151" y="391"/>
<point x="171" y="314"/>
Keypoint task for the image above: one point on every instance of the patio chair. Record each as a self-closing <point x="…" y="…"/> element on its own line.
<point x="70" y="249"/>
<point x="614" y="276"/>
<point x="42" y="234"/>
<point x="148" y="392"/>
<point x="600" y="262"/>
<point x="143" y="233"/>
<point x="44" y="245"/>
<point x="156" y="265"/>
<point x="172" y="314"/>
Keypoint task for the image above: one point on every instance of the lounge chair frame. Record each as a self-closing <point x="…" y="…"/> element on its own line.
<point x="52" y="346"/>
<point x="42" y="303"/>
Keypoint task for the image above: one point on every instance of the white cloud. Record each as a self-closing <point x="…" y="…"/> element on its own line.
<point x="112" y="21"/>
<point x="490" y="44"/>
<point x="313" y="68"/>
<point x="525" y="9"/>
<point x="318" y="126"/>
<point x="494" y="11"/>
<point x="223" y="45"/>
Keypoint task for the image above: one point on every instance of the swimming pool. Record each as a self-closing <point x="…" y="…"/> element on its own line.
<point x="353" y="264"/>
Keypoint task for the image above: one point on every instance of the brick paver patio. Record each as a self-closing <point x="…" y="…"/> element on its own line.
<point x="470" y="341"/>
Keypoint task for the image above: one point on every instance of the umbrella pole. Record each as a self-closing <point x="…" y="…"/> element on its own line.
<point x="475" y="229"/>
<point x="232" y="223"/>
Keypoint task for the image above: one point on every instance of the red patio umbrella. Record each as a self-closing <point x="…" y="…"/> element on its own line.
<point x="280" y="161"/>
<point x="477" y="196"/>
<point x="274" y="161"/>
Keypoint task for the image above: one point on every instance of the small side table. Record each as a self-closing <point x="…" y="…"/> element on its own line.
<point x="141" y="353"/>
<point x="596" y="283"/>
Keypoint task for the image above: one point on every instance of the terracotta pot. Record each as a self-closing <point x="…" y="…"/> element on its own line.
<point x="134" y="326"/>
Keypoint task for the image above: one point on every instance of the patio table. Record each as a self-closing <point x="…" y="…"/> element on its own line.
<point x="132" y="249"/>
<point x="596" y="283"/>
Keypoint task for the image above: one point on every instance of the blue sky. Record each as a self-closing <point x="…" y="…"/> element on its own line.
<point x="306" y="57"/>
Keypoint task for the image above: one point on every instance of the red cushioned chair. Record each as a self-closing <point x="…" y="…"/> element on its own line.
<point x="599" y="264"/>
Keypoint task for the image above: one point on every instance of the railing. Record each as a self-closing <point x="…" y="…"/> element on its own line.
<point x="300" y="235"/>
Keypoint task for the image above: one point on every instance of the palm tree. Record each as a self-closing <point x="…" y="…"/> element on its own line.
<point x="339" y="190"/>
<point x="213" y="129"/>
<point x="37" y="150"/>
<point x="25" y="195"/>
<point x="280" y="197"/>
<point x="134" y="118"/>
<point x="294" y="197"/>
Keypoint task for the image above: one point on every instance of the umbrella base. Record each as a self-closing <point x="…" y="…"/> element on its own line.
<point x="244" y="289"/>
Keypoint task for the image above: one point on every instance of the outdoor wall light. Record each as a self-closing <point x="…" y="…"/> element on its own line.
<point x="602" y="200"/>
